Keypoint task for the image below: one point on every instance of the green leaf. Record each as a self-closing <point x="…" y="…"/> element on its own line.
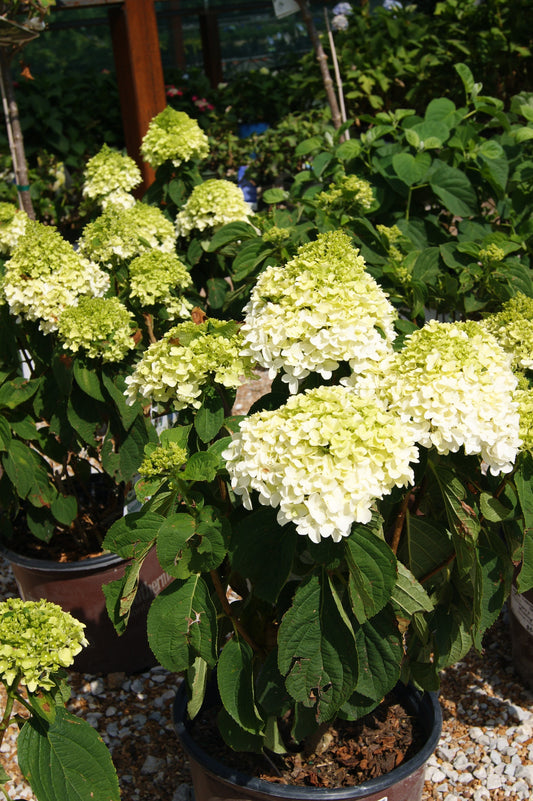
<point x="182" y="624"/>
<point x="379" y="653"/>
<point x="235" y="231"/>
<point x="462" y="517"/>
<point x="316" y="651"/>
<point x="133" y="534"/>
<point x="131" y="451"/>
<point x="5" y="434"/>
<point x="116" y="386"/>
<point x="187" y="545"/>
<point x="217" y="289"/>
<point x="276" y="195"/>
<point x="263" y="551"/>
<point x="523" y="134"/>
<point x="201" y="466"/>
<point x="454" y="189"/>
<point x="236" y="737"/>
<point x="320" y="163"/>
<point x="66" y="759"/>
<point x="19" y="464"/>
<point x="307" y="146"/>
<point x="372" y="567"/>
<point x="236" y="685"/>
<point x="196" y="684"/>
<point x="427" y="266"/>
<point x="17" y="391"/>
<point x="87" y="380"/>
<point x="64" y="508"/>
<point x="408" y="595"/>
<point x="425" y="547"/>
<point x="493" y="576"/>
<point x="209" y="418"/>
<point x="467" y="78"/>
<point x="411" y="169"/>
<point x="524" y="486"/>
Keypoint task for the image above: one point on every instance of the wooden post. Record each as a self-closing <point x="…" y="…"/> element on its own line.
<point x="139" y="74"/>
<point x="211" y="46"/>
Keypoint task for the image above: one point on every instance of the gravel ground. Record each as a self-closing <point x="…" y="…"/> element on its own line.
<point x="485" y="752"/>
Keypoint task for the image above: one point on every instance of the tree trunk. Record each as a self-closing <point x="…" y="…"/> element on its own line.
<point x="323" y="63"/>
<point x="14" y="132"/>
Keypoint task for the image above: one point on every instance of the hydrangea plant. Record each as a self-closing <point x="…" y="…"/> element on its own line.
<point x="173" y="136"/>
<point x="61" y="756"/>
<point x="359" y="526"/>
<point x="73" y="322"/>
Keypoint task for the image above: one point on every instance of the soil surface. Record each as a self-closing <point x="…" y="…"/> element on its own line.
<point x="348" y="753"/>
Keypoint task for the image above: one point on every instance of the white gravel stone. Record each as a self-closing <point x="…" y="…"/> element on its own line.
<point x="151" y="765"/>
<point x="525" y="772"/>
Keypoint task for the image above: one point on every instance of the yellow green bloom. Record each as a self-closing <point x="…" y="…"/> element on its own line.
<point x="173" y="136"/>
<point x="37" y="638"/>
<point x="212" y="204"/>
<point x="102" y="327"/>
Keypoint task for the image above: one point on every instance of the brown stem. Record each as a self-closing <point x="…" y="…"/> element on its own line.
<point x="148" y="319"/>
<point x="435" y="570"/>
<point x="322" y="62"/>
<point x="14" y="132"/>
<point x="400" y="520"/>
<point x="226" y="606"/>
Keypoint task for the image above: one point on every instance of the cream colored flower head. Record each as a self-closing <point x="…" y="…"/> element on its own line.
<point x="109" y="177"/>
<point x="12" y="226"/>
<point x="121" y="234"/>
<point x="37" y="639"/>
<point x="157" y="277"/>
<point x="320" y="309"/>
<point x="190" y="356"/>
<point x="100" y="327"/>
<point x="324" y="459"/>
<point x="212" y="204"/>
<point x="45" y="276"/>
<point x="513" y="328"/>
<point x="173" y="136"/>
<point x="455" y="384"/>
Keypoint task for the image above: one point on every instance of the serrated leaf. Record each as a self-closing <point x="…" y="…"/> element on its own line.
<point x="201" y="466"/>
<point x="236" y="685"/>
<point x="230" y="233"/>
<point x="182" y="624"/>
<point x="454" y="189"/>
<point x="209" y="418"/>
<point x="196" y="684"/>
<point x="131" y="535"/>
<point x="66" y="759"/>
<point x="408" y="596"/>
<point x="236" y="737"/>
<point x="19" y="465"/>
<point x="411" y="169"/>
<point x="372" y="568"/>
<point x="316" y="653"/>
<point x="87" y="380"/>
<point x="276" y="195"/>
<point x="5" y="434"/>
<point x="262" y="550"/>
<point x="64" y="508"/>
<point x="16" y="391"/>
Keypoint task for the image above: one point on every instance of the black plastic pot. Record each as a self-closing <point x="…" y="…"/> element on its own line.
<point x="77" y="588"/>
<point x="521" y="627"/>
<point x="212" y="780"/>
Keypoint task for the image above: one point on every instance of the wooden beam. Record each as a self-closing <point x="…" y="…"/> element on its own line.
<point x="139" y="74"/>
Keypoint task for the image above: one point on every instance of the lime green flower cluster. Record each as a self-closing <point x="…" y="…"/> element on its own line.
<point x="45" y="276"/>
<point x="109" y="177"/>
<point x="320" y="309"/>
<point x="276" y="235"/>
<point x="524" y="399"/>
<point x="455" y="384"/>
<point x="102" y="327"/>
<point x="12" y="226"/>
<point x="120" y="234"/>
<point x="391" y="233"/>
<point x="163" y="459"/>
<point x="323" y="458"/>
<point x="350" y="194"/>
<point x="155" y="277"/>
<point x="513" y="328"/>
<point x="37" y="639"/>
<point x="491" y="255"/>
<point x="190" y="356"/>
<point x="212" y="204"/>
<point x="173" y="136"/>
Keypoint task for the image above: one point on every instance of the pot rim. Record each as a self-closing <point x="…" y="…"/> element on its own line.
<point x="86" y="565"/>
<point x="426" y="705"/>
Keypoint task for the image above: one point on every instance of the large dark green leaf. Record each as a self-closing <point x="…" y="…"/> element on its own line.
<point x="16" y="391"/>
<point x="88" y="380"/>
<point x="372" y="567"/>
<point x="411" y="169"/>
<point x="263" y="551"/>
<point x="19" y="464"/>
<point x="66" y="760"/>
<point x="454" y="189"/>
<point x="182" y="624"/>
<point x="230" y="233"/>
<point x="236" y="685"/>
<point x="133" y="534"/>
<point x="408" y="596"/>
<point x="425" y="546"/>
<point x="209" y="418"/>
<point x="316" y="651"/>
